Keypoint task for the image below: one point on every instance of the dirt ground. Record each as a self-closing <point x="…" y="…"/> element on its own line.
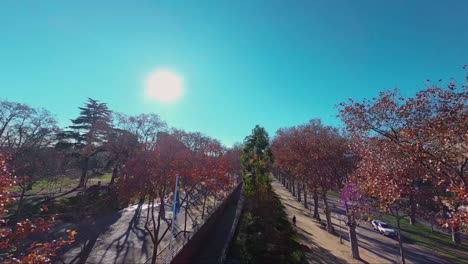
<point x="319" y="246"/>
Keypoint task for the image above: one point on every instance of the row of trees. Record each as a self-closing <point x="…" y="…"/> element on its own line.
<point x="406" y="156"/>
<point x="312" y="158"/>
<point x="264" y="233"/>
<point x="143" y="153"/>
<point x="204" y="167"/>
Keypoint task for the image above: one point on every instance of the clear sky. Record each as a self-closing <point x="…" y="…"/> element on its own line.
<point x="273" y="63"/>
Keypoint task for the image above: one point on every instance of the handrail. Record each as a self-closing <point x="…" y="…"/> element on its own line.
<point x="179" y="245"/>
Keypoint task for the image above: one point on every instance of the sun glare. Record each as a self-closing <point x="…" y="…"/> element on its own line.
<point x="164" y="86"/>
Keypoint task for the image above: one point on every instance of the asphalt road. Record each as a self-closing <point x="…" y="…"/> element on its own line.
<point x="385" y="247"/>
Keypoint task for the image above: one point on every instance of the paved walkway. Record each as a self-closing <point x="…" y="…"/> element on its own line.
<point x="120" y="237"/>
<point x="319" y="245"/>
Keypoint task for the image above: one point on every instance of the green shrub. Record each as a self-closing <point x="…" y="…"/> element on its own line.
<point x="265" y="235"/>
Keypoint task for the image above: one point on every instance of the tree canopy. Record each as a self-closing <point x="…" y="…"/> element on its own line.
<point x="256" y="160"/>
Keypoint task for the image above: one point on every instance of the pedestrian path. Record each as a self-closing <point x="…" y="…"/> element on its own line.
<point x="318" y="244"/>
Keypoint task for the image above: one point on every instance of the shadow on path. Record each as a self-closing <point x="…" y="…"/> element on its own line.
<point x="122" y="244"/>
<point x="88" y="233"/>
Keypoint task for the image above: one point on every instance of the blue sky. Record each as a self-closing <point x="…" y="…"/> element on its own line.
<point x="273" y="63"/>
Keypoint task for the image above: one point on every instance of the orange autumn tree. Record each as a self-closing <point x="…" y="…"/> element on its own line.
<point x="388" y="177"/>
<point x="25" y="241"/>
<point x="234" y="164"/>
<point x="151" y="172"/>
<point x="209" y="162"/>
<point x="316" y="155"/>
<point x="289" y="147"/>
<point x="429" y="129"/>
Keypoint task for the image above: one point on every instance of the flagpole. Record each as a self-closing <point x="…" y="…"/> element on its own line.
<point x="171" y="250"/>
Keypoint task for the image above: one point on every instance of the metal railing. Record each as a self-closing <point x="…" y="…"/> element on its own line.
<point x="164" y="257"/>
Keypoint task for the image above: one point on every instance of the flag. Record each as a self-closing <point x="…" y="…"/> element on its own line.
<point x="176" y="203"/>
<point x="175" y="212"/>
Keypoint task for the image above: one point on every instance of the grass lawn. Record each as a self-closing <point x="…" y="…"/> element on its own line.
<point x="105" y="179"/>
<point x="438" y="242"/>
<point x="72" y="207"/>
<point x="64" y="183"/>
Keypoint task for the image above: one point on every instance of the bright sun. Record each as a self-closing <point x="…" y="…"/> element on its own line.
<point x="164" y="86"/>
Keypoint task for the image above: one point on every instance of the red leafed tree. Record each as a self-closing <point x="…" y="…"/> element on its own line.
<point x="16" y="245"/>
<point x="234" y="163"/>
<point x="332" y="164"/>
<point x="385" y="175"/>
<point x="429" y="129"/>
<point x="211" y="167"/>
<point x="316" y="155"/>
<point x="289" y="147"/>
<point x="151" y="173"/>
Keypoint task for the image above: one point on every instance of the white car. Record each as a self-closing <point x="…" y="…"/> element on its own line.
<point x="383" y="228"/>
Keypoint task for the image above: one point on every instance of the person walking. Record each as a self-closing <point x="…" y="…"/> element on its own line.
<point x="294" y="220"/>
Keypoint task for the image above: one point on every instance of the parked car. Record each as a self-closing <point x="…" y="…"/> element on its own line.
<point x="383" y="228"/>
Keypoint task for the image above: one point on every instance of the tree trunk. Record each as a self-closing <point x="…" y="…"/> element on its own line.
<point x="204" y="203"/>
<point x="293" y="188"/>
<point x="352" y="234"/>
<point x="412" y="211"/>
<point x="156" y="228"/>
<point x="20" y="202"/>
<point x="305" y="196"/>
<point x="316" y="206"/>
<point x="327" y="213"/>
<point x="185" y="220"/>
<point x="141" y="200"/>
<point x="154" y="256"/>
<point x="84" y="172"/>
<point x="114" y="175"/>
<point x="400" y="242"/>
<point x="298" y="191"/>
<point x="354" y="241"/>
<point x="456" y="239"/>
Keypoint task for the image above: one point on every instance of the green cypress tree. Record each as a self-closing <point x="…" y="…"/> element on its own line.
<point x="256" y="161"/>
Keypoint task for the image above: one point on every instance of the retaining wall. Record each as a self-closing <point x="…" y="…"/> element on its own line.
<point x="187" y="253"/>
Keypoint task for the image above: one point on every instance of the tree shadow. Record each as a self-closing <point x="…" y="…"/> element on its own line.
<point x="317" y="254"/>
<point x="89" y="231"/>
<point x="122" y="244"/>
<point x="412" y="253"/>
<point x="373" y="245"/>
